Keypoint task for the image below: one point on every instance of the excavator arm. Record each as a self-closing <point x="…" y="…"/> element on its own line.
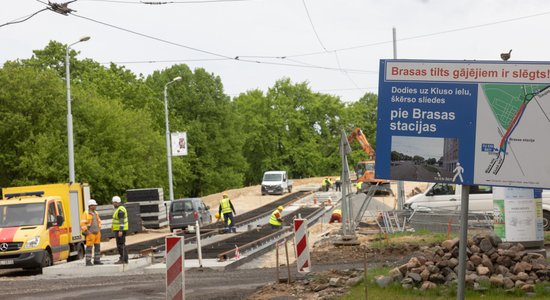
<point x="365" y="169"/>
<point x="358" y="135"/>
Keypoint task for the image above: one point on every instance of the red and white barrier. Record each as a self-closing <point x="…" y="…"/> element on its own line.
<point x="175" y="268"/>
<point x="302" y="248"/>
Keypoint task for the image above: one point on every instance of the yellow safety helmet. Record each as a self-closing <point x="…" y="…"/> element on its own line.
<point x="217" y="215"/>
<point x="224" y="194"/>
<point x="280" y="208"/>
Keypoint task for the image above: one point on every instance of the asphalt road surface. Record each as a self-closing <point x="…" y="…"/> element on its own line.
<point x="200" y="284"/>
<point x="410" y="171"/>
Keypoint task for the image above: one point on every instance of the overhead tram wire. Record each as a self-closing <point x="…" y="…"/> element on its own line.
<point x="167" y="2"/>
<point x="226" y="57"/>
<point x="163" y="61"/>
<point x="153" y="38"/>
<point x="408" y="38"/>
<point x="325" y="48"/>
<point x="313" y="26"/>
<point x="23" y="19"/>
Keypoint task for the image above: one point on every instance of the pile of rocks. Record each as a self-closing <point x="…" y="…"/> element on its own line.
<point x="330" y="284"/>
<point x="491" y="262"/>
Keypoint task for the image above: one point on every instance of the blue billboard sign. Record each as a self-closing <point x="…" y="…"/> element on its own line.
<point x="465" y="122"/>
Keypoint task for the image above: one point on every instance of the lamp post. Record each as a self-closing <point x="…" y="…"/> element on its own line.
<point x="168" y="148"/>
<point x="69" y="113"/>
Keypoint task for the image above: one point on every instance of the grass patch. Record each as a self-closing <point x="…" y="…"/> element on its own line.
<point x="395" y="291"/>
<point x="419" y="238"/>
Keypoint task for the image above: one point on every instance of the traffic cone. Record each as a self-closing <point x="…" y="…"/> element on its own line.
<point x="314" y="199"/>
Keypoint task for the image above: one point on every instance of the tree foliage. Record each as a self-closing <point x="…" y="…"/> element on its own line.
<point x="119" y="127"/>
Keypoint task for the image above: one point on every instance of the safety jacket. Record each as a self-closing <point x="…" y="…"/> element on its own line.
<point x="275" y="216"/>
<point x="337" y="211"/>
<point x="86" y="221"/>
<point x="116" y="221"/>
<point x="226" y="205"/>
<point x="359" y="185"/>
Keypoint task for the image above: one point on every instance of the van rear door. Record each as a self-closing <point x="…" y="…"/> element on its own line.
<point x="182" y="213"/>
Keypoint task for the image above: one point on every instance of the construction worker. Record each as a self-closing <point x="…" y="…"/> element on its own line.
<point x="227" y="211"/>
<point x="359" y="186"/>
<point x="326" y="184"/>
<point x="276" y="220"/>
<point x="338" y="184"/>
<point x="336" y="216"/>
<point x="90" y="224"/>
<point x="120" y="227"/>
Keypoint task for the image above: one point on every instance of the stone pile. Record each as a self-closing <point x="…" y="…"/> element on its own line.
<point x="324" y="285"/>
<point x="491" y="263"/>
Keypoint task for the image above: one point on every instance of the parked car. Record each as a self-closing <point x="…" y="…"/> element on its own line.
<point x="186" y="211"/>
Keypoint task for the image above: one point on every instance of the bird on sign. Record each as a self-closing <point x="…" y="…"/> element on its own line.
<point x="506" y="56"/>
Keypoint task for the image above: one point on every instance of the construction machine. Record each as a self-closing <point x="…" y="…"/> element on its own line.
<point x="365" y="169"/>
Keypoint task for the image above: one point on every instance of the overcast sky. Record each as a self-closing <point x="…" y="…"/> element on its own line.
<point x="339" y="53"/>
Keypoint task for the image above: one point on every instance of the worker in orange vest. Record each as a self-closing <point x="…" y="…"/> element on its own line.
<point x="336" y="216"/>
<point x="90" y="224"/>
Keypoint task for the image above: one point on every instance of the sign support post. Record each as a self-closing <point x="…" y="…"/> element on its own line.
<point x="464" y="199"/>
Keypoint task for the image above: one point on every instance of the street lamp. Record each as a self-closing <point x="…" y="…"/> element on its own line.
<point x="168" y="154"/>
<point x="69" y="113"/>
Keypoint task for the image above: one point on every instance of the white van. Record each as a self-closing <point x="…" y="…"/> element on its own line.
<point x="447" y="196"/>
<point x="276" y="182"/>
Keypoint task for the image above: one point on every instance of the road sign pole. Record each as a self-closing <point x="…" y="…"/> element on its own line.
<point x="464" y="199"/>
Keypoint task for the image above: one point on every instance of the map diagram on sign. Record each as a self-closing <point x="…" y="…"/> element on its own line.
<point x="515" y="140"/>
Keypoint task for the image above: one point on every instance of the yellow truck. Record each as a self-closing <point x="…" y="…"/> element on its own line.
<point x="40" y="225"/>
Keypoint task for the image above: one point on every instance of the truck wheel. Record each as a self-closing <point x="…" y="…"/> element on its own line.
<point x="546" y="220"/>
<point x="47" y="259"/>
<point x="290" y="189"/>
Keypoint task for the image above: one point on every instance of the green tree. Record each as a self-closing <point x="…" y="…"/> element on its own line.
<point x="362" y="114"/>
<point x="290" y="128"/>
<point x="198" y="106"/>
<point x="32" y="110"/>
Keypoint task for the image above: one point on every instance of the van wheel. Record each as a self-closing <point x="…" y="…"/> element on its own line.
<point x="290" y="189"/>
<point x="546" y="220"/>
<point x="47" y="259"/>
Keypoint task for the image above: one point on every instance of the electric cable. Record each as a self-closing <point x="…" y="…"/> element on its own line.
<point x="24" y="18"/>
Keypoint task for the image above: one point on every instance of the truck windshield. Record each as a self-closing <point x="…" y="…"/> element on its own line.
<point x="21" y="214"/>
<point x="273" y="177"/>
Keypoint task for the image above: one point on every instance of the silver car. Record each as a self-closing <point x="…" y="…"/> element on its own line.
<point x="186" y="211"/>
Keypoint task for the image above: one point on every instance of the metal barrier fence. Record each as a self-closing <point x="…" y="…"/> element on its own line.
<point x="447" y="220"/>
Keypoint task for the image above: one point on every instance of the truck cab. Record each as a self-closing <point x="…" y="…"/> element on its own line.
<point x="276" y="182"/>
<point x="39" y="226"/>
